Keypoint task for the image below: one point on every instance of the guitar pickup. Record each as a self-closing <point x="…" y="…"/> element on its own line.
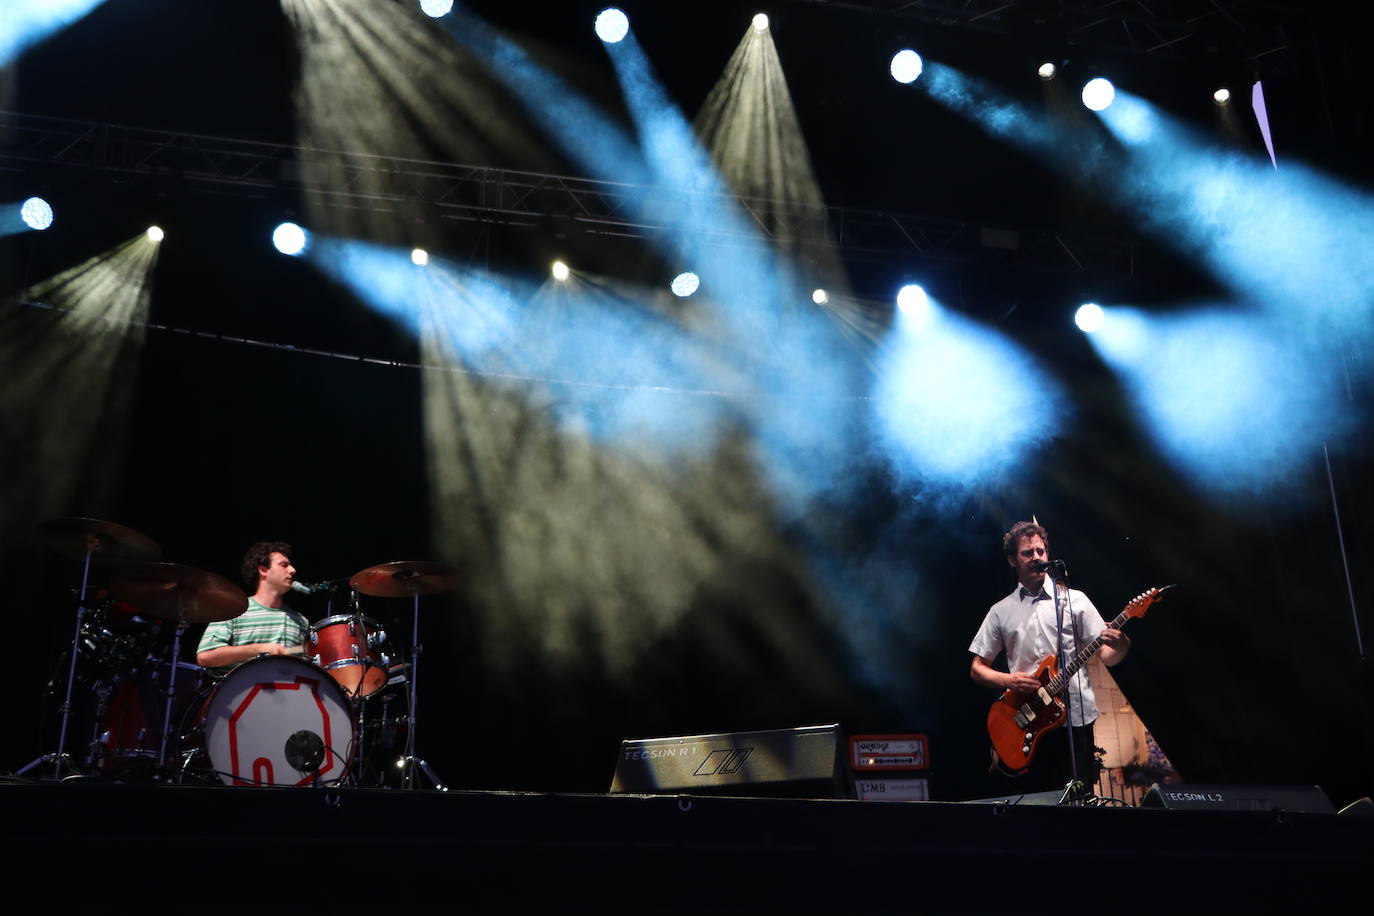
<point x="1024" y="716"/>
<point x="1044" y="696"/>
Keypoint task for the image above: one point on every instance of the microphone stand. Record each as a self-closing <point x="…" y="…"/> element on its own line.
<point x="1063" y="572"/>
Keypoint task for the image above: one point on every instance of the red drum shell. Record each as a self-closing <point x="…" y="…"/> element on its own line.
<point x="353" y="659"/>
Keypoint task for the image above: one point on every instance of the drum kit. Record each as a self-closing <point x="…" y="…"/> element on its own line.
<point x="341" y="712"/>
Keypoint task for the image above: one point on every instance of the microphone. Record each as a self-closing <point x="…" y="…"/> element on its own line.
<point x="1051" y="566"/>
<point x="306" y="588"/>
<point x="305" y="751"/>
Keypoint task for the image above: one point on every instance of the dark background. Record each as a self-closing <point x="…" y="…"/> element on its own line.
<point x="1250" y="675"/>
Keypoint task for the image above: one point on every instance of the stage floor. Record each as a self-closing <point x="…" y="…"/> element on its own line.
<point x="322" y="849"/>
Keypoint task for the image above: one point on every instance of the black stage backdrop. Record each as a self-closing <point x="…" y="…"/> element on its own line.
<point x="1251" y="674"/>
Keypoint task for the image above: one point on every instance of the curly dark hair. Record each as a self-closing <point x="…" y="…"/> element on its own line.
<point x="260" y="554"/>
<point x="1023" y="530"/>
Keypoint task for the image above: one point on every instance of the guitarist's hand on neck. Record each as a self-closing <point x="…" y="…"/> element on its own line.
<point x="1115" y="645"/>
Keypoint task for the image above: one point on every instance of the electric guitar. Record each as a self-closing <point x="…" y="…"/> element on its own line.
<point x="1017" y="721"/>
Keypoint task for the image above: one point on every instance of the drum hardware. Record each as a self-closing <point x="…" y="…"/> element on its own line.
<point x="185" y="595"/>
<point x="409" y="579"/>
<point x="92" y="541"/>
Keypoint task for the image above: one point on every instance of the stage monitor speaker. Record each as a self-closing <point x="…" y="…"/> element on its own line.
<point x="1303" y="799"/>
<point x="785" y="762"/>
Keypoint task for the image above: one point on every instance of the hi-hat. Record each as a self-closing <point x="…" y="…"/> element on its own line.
<point x="405" y="578"/>
<point x="172" y="591"/>
<point x="109" y="543"/>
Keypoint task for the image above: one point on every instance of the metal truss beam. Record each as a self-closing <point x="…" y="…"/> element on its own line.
<point x="1160" y="27"/>
<point x="518" y="198"/>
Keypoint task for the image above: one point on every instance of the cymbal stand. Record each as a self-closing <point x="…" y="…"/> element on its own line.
<point x="358" y="755"/>
<point x="171" y="683"/>
<point x="411" y="763"/>
<point x="61" y="758"/>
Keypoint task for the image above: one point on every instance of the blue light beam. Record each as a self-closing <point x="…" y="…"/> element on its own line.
<point x="609" y="368"/>
<point x="1292" y="241"/>
<point x="1229" y="402"/>
<point x="956" y="405"/>
<point x="25" y="23"/>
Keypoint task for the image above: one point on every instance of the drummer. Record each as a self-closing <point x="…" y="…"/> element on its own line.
<point x="268" y="626"/>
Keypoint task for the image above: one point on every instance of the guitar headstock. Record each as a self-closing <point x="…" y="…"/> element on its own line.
<point x="1138" y="605"/>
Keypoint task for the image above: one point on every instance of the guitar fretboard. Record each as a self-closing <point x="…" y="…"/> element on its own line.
<point x="1081" y="658"/>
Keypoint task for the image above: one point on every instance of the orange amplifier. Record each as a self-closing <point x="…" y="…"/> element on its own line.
<point x="885" y="767"/>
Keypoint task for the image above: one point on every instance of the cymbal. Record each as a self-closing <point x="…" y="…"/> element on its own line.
<point x="405" y="578"/>
<point x="171" y="590"/>
<point x="109" y="543"/>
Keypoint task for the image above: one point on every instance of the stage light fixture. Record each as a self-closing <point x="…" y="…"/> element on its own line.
<point x="436" y="8"/>
<point x="1221" y="96"/>
<point x="155" y="234"/>
<point x="612" y="25"/>
<point x="419" y="257"/>
<point x="912" y="299"/>
<point x="1098" y="94"/>
<point x="36" y="213"/>
<point x="1089" y="317"/>
<point x="289" y="239"/>
<point x="684" y="284"/>
<point x="560" y="271"/>
<point x="906" y="66"/>
<point x="1047" y="71"/>
<point x="761" y="22"/>
<point x="820" y="297"/>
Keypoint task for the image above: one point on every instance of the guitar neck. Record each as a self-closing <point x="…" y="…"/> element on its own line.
<point x="1084" y="654"/>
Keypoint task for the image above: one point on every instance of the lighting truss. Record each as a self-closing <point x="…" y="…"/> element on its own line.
<point x="487" y="194"/>
<point x="1160" y="27"/>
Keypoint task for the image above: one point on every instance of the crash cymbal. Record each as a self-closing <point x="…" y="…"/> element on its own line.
<point x="405" y="578"/>
<point x="171" y="590"/>
<point x="109" y="543"/>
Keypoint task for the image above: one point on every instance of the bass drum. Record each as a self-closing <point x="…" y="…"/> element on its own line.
<point x="276" y="720"/>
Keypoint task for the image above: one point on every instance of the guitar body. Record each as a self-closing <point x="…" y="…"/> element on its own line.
<point x="1017" y="721"/>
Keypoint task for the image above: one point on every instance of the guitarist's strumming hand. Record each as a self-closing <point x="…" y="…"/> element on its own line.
<point x="1023" y="682"/>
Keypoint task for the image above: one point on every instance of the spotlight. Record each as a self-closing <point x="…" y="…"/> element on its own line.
<point x="1047" y="71"/>
<point x="820" y="297"/>
<point x="436" y="8"/>
<point x="155" y="234"/>
<point x="1089" y="317"/>
<point x="36" y="213"/>
<point x="912" y="299"/>
<point x="612" y="25"/>
<point x="560" y="271"/>
<point x="1221" y="96"/>
<point x="684" y="284"/>
<point x="761" y="22"/>
<point x="419" y="257"/>
<point x="906" y="66"/>
<point x="289" y="238"/>
<point x="1098" y="94"/>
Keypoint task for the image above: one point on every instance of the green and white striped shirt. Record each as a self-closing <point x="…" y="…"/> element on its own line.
<point x="259" y="623"/>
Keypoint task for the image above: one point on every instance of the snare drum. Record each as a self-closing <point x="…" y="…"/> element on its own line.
<point x="266" y="704"/>
<point x="355" y="659"/>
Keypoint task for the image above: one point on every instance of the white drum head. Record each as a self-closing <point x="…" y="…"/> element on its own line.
<point x="259" y="706"/>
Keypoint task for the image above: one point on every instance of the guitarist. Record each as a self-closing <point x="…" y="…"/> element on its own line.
<point x="1022" y="625"/>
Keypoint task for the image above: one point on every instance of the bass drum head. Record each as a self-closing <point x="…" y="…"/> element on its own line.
<point x="261" y="705"/>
